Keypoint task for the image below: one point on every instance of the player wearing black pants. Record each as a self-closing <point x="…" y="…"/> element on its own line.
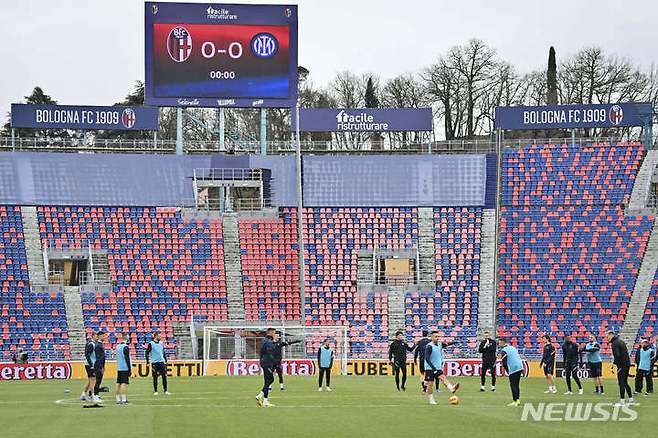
<point x="548" y="364"/>
<point x="397" y="355"/>
<point x="278" y="357"/>
<point x="488" y="350"/>
<point x="99" y="365"/>
<point x="572" y="361"/>
<point x="156" y="355"/>
<point x="267" y="354"/>
<point x="419" y="353"/>
<point x="623" y="362"/>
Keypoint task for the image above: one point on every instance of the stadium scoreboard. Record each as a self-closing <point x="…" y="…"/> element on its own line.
<point x="212" y="55"/>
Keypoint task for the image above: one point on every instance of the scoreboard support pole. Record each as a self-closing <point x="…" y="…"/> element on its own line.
<point x="263" y="131"/>
<point x="222" y="128"/>
<point x="13" y="139"/>
<point x="179" y="131"/>
<point x="300" y="223"/>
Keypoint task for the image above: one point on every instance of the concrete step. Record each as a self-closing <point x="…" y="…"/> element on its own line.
<point x="486" y="297"/>
<point x="233" y="267"/>
<point x="74" y="321"/>
<point x="642" y="184"/>
<point x="33" y="247"/>
<point x="641" y="291"/>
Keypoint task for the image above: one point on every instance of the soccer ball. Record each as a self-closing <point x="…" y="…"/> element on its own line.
<point x="453" y="400"/>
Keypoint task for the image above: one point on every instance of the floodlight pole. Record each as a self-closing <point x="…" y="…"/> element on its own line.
<point x="300" y="222"/>
<point x="13" y="139"/>
<point x="263" y="131"/>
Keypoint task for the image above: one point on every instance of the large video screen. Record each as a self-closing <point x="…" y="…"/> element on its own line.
<point x="221" y="55"/>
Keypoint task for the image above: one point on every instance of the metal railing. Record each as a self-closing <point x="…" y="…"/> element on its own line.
<point x="231" y="174"/>
<point x="150" y="146"/>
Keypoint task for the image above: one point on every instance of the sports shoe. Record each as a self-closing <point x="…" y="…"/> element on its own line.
<point x="155" y="393"/>
<point x="482" y="388"/>
<point x="455" y="388"/>
<point x="580" y="391"/>
<point x="620" y="403"/>
<point x="259" y="400"/>
<point x="548" y="391"/>
<point x="319" y="389"/>
<point x="83" y="397"/>
<point x="282" y="388"/>
<point x="554" y="391"/>
<point x="167" y="393"/>
<point x="493" y="388"/>
<point x="515" y="403"/>
<point x="432" y="401"/>
<point x="328" y="389"/>
<point x="267" y="404"/>
<point x="568" y="393"/>
<point x="96" y="399"/>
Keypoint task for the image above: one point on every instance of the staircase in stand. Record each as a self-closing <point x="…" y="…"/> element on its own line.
<point x="233" y="266"/>
<point x="75" y="322"/>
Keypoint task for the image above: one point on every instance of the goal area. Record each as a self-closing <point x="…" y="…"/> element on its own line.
<point x="243" y="342"/>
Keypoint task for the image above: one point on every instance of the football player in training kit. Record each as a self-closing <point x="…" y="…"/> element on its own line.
<point x="622" y="360"/>
<point x="548" y="364"/>
<point x="99" y="364"/>
<point x="278" y="357"/>
<point x="595" y="364"/>
<point x="434" y="366"/>
<point x="514" y="366"/>
<point x="155" y="353"/>
<point x="325" y="362"/>
<point x="124" y="367"/>
<point x="267" y="362"/>
<point x="644" y="359"/>
<point x="397" y="355"/>
<point x="419" y="357"/>
<point x="572" y="361"/>
<point x="488" y="350"/>
<point x="90" y="358"/>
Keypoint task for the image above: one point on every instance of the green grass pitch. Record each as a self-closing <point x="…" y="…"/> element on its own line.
<point x="359" y="407"/>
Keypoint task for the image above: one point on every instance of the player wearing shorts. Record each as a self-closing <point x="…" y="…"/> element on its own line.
<point x="90" y="359"/>
<point x="122" y="355"/>
<point x="434" y="366"/>
<point x="594" y="363"/>
<point x="155" y="353"/>
<point x="548" y="364"/>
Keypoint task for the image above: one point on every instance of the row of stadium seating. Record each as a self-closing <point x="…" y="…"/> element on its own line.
<point x="568" y="257"/>
<point x="164" y="268"/>
<point x="35" y="322"/>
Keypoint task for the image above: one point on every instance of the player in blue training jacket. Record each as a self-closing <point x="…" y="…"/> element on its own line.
<point x="514" y="366"/>
<point x="325" y="362"/>
<point x="595" y="364"/>
<point x="644" y="359"/>
<point x="124" y="367"/>
<point x="155" y="353"/>
<point x="434" y="360"/>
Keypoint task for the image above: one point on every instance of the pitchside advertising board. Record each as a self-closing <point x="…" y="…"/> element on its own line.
<point x="364" y="119"/>
<point x="223" y="55"/>
<point x="291" y="367"/>
<point x="124" y="118"/>
<point x="574" y="116"/>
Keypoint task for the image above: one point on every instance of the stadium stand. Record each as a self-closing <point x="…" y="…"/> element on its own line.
<point x="35" y="322"/>
<point x="333" y="237"/>
<point x="452" y="307"/>
<point x="165" y="268"/>
<point x="568" y="256"/>
<point x="268" y="249"/>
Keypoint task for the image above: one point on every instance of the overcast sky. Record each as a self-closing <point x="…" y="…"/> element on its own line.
<point x="91" y="51"/>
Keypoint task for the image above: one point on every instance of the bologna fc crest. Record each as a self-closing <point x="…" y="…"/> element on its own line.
<point x="264" y="45"/>
<point x="179" y="44"/>
<point x="128" y="118"/>
<point x="616" y="115"/>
